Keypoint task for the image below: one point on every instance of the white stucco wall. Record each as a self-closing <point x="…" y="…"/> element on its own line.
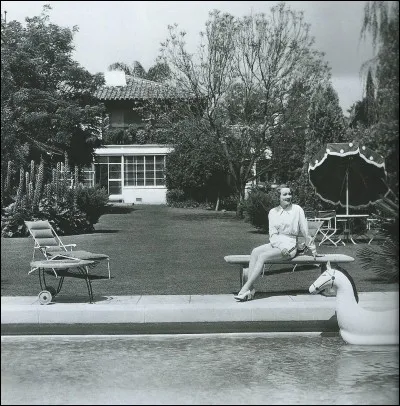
<point x="144" y="195"/>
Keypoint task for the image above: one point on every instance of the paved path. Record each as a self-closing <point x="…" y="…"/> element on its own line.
<point x="177" y="314"/>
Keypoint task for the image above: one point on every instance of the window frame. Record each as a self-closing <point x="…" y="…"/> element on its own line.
<point x="157" y="181"/>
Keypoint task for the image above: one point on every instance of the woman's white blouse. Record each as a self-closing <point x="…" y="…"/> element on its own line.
<point x="285" y="225"/>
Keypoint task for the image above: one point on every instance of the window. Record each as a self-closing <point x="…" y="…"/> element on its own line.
<point x="134" y="171"/>
<point x="159" y="170"/>
<point x="147" y="170"/>
<point x="138" y="170"/>
<point x="117" y="118"/>
<point x="123" y="118"/>
<point x="88" y="177"/>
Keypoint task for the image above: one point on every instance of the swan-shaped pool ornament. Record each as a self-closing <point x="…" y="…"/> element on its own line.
<point x="357" y="325"/>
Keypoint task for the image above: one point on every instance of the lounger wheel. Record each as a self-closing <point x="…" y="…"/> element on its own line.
<point x="45" y="297"/>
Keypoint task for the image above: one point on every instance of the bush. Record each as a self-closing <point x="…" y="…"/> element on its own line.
<point x="74" y="213"/>
<point x="383" y="259"/>
<point x="228" y="203"/>
<point x="93" y="201"/>
<point x="178" y="198"/>
<point x="64" y="217"/>
<point x="259" y="202"/>
<point x="12" y="221"/>
<point x="304" y="195"/>
<point x="71" y="210"/>
<point x="175" y="197"/>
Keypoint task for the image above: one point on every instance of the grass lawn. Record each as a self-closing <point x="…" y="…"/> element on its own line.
<point x="158" y="250"/>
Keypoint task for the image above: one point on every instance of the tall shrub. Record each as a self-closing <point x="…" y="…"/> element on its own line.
<point x="69" y="206"/>
<point x="259" y="202"/>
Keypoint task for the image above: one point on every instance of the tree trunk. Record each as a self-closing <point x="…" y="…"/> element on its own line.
<point x="217" y="204"/>
<point x="239" y="207"/>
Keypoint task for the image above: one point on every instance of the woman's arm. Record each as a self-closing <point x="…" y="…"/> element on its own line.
<point x="303" y="225"/>
<point x="273" y="229"/>
<point x="304" y="231"/>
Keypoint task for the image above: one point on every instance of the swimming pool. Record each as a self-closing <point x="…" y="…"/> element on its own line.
<point x="237" y="368"/>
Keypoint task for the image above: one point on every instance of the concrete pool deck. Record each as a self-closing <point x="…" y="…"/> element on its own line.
<point x="178" y="314"/>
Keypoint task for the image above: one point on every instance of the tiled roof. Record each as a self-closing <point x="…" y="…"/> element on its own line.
<point x="138" y="89"/>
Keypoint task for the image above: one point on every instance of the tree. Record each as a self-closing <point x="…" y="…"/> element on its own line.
<point x="240" y="79"/>
<point x="196" y="166"/>
<point x="364" y="112"/>
<point x="325" y="124"/>
<point x="370" y="108"/>
<point x="46" y="101"/>
<point x="288" y="143"/>
<point x="325" y="120"/>
<point x="381" y="20"/>
<point x="160" y="72"/>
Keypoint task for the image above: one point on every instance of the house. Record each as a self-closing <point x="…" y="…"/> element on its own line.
<point x="132" y="171"/>
<point x="135" y="172"/>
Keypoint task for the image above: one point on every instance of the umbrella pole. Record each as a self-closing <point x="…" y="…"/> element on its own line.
<point x="347" y="192"/>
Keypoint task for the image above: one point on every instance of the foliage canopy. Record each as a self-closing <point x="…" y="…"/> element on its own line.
<point x="46" y="102"/>
<point x="242" y="82"/>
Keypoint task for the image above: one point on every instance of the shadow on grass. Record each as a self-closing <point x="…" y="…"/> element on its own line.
<point x="258" y="232"/>
<point x="120" y="209"/>
<point x="69" y="274"/>
<point x="106" y="231"/>
<point x="205" y="216"/>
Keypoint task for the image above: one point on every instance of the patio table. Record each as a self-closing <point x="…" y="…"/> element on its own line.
<point x="348" y="220"/>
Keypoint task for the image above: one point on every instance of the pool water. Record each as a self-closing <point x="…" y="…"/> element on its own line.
<point x="262" y="368"/>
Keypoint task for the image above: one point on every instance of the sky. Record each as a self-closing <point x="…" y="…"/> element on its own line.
<point x="128" y="31"/>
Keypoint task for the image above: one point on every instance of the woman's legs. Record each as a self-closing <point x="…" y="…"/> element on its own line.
<point x="256" y="264"/>
<point x="253" y="259"/>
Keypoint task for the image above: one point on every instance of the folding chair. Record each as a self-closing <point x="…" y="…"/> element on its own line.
<point x="310" y="214"/>
<point x="329" y="227"/>
<point x="59" y="260"/>
<point x="373" y="228"/>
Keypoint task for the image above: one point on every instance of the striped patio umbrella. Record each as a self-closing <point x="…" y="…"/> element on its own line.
<point x="349" y="175"/>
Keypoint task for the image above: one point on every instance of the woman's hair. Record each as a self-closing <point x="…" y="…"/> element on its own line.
<point x="279" y="188"/>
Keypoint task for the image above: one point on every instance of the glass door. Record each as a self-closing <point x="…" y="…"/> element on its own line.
<point x="109" y="174"/>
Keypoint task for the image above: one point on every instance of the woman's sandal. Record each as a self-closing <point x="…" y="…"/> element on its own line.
<point x="248" y="295"/>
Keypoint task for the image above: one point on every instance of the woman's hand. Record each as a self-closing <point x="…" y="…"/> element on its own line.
<point x="312" y="247"/>
<point x="285" y="253"/>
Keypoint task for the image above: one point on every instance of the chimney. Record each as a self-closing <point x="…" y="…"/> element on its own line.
<point x="115" y="78"/>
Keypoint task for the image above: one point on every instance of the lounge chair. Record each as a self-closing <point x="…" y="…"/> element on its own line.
<point x="59" y="260"/>
<point x="50" y="245"/>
